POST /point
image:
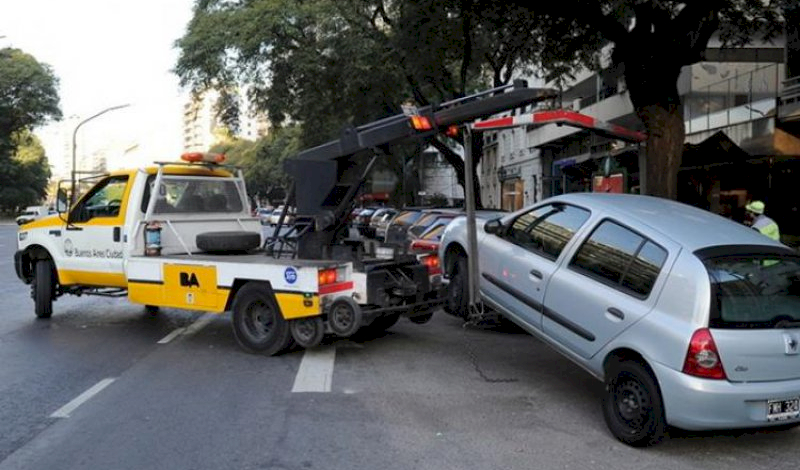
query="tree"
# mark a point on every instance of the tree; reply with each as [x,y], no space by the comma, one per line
[28,97]
[652,40]
[23,176]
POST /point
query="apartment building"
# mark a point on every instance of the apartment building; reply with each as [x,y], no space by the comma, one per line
[202,128]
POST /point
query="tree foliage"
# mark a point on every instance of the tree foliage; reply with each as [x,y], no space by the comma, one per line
[28,98]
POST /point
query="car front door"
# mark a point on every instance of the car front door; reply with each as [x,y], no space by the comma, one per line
[92,250]
[606,287]
[516,263]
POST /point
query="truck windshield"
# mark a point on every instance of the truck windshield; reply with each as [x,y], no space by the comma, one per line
[754,291]
[195,194]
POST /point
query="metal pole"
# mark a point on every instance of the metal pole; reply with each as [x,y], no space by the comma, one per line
[74,146]
[472,237]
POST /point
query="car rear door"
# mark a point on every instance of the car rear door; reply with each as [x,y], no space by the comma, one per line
[516,264]
[755,316]
[608,284]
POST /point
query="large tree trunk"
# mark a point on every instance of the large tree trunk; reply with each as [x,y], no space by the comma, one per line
[665,136]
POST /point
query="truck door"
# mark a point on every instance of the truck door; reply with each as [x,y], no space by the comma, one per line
[92,247]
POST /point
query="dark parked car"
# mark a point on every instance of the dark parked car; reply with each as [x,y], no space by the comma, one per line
[380,216]
[396,230]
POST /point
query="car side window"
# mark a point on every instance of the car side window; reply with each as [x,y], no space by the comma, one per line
[546,230]
[105,200]
[621,258]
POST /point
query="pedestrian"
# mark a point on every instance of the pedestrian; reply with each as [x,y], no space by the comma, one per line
[755,217]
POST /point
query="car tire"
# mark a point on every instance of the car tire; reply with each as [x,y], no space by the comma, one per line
[228,242]
[257,322]
[307,332]
[457,303]
[43,283]
[632,405]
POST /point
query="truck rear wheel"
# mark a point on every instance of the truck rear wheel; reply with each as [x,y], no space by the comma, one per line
[258,325]
[43,288]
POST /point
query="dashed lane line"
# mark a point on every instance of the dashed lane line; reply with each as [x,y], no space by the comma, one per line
[315,374]
[66,410]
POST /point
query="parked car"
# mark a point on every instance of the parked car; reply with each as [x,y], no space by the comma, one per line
[276,214]
[380,216]
[361,222]
[396,230]
[383,224]
[690,319]
[32,213]
[263,215]
[429,220]
[429,241]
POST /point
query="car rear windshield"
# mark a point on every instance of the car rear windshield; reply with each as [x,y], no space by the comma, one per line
[406,218]
[754,291]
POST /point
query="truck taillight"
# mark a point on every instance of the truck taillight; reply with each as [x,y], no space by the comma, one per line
[327,276]
[702,358]
[421,123]
[432,263]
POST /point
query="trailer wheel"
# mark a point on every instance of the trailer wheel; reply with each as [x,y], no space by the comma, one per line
[307,332]
[43,288]
[258,325]
[345,317]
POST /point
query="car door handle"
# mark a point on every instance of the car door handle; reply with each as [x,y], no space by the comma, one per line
[537,274]
[616,313]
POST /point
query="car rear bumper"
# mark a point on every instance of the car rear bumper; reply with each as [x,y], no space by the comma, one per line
[700,404]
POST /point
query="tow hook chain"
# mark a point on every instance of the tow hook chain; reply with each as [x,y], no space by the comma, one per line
[475,318]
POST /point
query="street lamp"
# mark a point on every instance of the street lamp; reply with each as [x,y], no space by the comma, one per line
[74,144]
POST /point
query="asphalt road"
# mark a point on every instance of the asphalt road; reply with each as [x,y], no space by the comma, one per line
[435,396]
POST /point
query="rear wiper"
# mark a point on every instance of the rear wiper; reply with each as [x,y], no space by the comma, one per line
[788,324]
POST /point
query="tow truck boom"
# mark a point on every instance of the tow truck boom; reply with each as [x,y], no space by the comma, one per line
[327,177]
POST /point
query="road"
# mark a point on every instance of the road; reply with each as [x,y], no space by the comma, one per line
[94,388]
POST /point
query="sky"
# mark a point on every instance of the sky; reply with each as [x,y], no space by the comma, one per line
[107,53]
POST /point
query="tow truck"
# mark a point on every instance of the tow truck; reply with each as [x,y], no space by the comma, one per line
[180,235]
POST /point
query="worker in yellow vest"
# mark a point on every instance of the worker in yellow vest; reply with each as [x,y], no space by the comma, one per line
[758,221]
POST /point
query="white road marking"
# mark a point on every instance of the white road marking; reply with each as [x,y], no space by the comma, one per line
[171,336]
[199,324]
[315,374]
[67,409]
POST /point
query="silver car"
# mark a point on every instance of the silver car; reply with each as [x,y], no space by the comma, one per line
[690,319]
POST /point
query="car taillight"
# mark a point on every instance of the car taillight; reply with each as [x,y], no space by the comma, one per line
[432,263]
[327,276]
[424,246]
[702,358]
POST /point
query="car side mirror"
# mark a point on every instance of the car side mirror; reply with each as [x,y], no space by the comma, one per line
[494,227]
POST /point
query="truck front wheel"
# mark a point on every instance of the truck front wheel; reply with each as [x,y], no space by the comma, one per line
[258,325]
[43,288]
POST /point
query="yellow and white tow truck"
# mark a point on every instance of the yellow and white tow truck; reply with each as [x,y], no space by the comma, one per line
[181,236]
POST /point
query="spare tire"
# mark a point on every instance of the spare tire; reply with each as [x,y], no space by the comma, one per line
[228,242]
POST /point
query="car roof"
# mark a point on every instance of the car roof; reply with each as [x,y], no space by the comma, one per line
[687,225]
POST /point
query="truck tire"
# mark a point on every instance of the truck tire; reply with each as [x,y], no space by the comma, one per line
[258,325]
[457,289]
[228,242]
[43,288]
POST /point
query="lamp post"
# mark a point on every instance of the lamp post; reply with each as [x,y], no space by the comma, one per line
[74,145]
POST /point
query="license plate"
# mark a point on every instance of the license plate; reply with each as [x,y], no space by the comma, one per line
[780,410]
[384,252]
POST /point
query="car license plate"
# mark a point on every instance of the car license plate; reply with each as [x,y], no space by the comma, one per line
[384,252]
[780,410]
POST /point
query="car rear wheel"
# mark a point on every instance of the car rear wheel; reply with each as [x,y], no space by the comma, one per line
[632,405]
[43,283]
[258,325]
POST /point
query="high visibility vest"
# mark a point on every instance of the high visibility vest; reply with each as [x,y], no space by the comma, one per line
[768,227]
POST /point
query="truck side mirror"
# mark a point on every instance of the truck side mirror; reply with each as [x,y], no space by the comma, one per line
[62,199]
[494,227]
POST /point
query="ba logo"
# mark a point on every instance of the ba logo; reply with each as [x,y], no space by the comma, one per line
[290,275]
[189,280]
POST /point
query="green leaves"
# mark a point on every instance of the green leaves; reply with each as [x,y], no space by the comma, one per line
[28,97]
